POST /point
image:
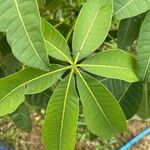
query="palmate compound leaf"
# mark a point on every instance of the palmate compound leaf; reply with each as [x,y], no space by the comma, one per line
[56,44]
[144,109]
[130,8]
[21,21]
[59,132]
[115,64]
[143,50]
[103,114]
[92,27]
[13,87]
[129,95]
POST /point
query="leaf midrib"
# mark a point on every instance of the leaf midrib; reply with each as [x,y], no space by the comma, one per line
[124,7]
[125,91]
[104,66]
[65,56]
[49,73]
[64,109]
[76,59]
[101,110]
[28,37]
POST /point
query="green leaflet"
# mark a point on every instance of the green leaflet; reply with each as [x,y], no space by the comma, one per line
[129,8]
[92,27]
[56,44]
[128,31]
[103,114]
[43,82]
[21,22]
[143,52]
[144,111]
[112,64]
[21,118]
[59,132]
[12,88]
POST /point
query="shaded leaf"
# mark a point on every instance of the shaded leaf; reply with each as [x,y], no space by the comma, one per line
[128,95]
[144,109]
[116,87]
[143,52]
[39,100]
[128,31]
[21,118]
[131,99]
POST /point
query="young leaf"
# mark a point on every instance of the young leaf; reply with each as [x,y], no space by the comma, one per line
[12,88]
[59,132]
[112,64]
[56,44]
[103,114]
[92,27]
[128,31]
[143,50]
[21,22]
[21,118]
[130,8]
[144,111]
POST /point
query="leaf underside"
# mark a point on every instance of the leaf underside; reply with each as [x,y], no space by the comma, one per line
[130,8]
[21,22]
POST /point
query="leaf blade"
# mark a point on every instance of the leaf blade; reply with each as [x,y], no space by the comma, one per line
[64,114]
[56,44]
[12,88]
[99,107]
[130,8]
[143,54]
[21,22]
[91,28]
[108,65]
[21,118]
[144,111]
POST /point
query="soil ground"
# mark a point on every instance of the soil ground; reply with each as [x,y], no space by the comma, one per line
[32,141]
